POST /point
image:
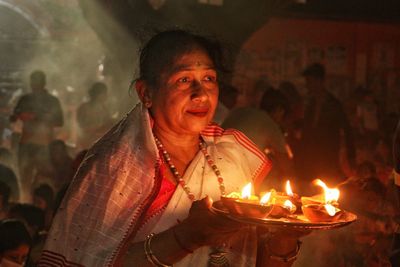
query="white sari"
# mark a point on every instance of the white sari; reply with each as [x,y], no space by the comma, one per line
[85,236]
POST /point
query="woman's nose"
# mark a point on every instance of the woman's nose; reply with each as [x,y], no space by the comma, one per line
[198,91]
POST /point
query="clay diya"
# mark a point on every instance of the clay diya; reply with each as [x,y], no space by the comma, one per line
[322,208]
[321,212]
[246,204]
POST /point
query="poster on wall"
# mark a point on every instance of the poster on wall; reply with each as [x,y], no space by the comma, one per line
[270,65]
[383,55]
[315,55]
[293,60]
[393,92]
[336,60]
[339,86]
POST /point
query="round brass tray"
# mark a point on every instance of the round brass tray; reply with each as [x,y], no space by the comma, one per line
[294,221]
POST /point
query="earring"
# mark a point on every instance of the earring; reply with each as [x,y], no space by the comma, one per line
[147,103]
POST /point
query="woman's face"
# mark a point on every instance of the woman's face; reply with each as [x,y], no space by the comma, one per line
[188,94]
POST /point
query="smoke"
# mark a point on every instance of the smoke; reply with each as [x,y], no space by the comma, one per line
[73,58]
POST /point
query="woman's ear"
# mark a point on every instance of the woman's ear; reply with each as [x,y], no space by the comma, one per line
[143,92]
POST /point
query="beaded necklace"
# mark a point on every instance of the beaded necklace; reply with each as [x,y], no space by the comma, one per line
[177,175]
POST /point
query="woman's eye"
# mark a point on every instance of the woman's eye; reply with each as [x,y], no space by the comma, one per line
[183,80]
[210,78]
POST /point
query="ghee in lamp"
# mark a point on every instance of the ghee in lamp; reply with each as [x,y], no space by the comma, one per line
[246,204]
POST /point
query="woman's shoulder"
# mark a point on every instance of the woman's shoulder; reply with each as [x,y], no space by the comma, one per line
[237,150]
[230,139]
[214,134]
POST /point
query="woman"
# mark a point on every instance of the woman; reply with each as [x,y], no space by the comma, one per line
[142,196]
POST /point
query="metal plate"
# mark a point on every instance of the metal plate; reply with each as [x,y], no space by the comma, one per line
[295,221]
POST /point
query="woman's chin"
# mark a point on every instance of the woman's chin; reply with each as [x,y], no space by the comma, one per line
[197,127]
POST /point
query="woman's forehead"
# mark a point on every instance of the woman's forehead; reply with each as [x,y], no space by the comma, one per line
[192,60]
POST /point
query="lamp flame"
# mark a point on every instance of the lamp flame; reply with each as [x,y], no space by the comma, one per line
[289,191]
[288,204]
[246,191]
[264,200]
[331,210]
[331,194]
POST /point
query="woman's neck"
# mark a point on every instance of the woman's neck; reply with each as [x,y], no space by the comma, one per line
[179,146]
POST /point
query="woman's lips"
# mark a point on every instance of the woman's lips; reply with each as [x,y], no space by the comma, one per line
[198,112]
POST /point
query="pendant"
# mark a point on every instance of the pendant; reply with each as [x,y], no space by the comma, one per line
[218,259]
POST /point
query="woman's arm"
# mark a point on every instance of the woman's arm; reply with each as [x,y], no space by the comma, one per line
[168,247]
[201,228]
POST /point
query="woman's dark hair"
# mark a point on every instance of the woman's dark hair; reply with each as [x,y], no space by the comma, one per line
[13,233]
[164,48]
[45,192]
[6,156]
[33,216]
[58,145]
[38,77]
[274,99]
[97,89]
[5,192]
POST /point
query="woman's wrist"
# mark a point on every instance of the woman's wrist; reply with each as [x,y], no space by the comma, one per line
[150,256]
[185,238]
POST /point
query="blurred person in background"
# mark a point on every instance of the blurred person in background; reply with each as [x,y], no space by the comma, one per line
[5,192]
[8,177]
[295,100]
[7,158]
[395,254]
[367,115]
[43,198]
[264,127]
[94,117]
[278,107]
[61,163]
[40,113]
[15,243]
[226,102]
[325,124]
[250,91]
[34,221]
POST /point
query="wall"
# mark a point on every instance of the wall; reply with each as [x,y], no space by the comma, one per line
[354,53]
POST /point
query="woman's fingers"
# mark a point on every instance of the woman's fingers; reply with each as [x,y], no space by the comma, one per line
[208,227]
[202,204]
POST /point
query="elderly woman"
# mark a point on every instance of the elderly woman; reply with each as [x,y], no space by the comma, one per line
[143,195]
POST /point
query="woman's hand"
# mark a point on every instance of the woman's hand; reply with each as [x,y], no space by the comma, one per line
[204,227]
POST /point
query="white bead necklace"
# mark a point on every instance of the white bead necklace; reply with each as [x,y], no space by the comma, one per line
[177,175]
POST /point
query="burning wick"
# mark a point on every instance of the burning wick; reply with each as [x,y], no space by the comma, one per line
[330,209]
[289,191]
[264,200]
[246,191]
[331,196]
[288,205]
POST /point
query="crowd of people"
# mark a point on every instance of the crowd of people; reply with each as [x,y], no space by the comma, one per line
[36,167]
[346,144]
[140,190]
